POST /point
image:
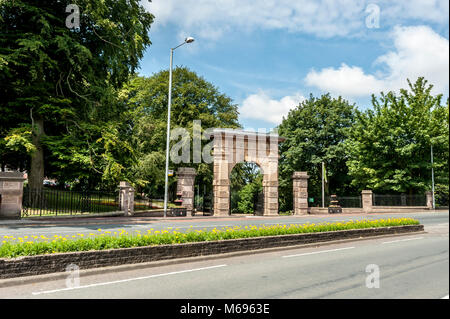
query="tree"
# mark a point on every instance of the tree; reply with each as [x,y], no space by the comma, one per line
[242,174]
[389,146]
[248,196]
[193,98]
[315,132]
[60,84]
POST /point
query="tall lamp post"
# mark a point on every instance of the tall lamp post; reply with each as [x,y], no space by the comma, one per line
[432,169]
[166,186]
[432,178]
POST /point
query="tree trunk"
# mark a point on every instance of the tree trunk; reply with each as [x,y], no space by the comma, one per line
[36,175]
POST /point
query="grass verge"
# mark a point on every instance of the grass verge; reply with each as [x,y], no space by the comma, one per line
[37,245]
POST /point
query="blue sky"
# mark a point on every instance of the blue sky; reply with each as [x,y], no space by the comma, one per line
[268,55]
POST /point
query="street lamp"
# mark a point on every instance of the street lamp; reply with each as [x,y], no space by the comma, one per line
[432,167]
[166,186]
[432,178]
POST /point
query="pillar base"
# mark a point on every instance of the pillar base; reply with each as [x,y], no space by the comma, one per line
[301,211]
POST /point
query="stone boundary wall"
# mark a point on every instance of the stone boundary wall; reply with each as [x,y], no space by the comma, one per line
[368,207]
[50,263]
[374,210]
[324,211]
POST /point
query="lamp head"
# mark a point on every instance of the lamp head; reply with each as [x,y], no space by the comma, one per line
[189,40]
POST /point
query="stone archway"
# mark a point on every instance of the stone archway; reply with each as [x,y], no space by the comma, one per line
[236,146]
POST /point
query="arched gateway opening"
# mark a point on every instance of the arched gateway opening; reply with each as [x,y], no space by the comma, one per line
[236,146]
[246,195]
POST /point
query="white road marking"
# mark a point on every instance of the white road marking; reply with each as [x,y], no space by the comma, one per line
[126,280]
[401,240]
[318,252]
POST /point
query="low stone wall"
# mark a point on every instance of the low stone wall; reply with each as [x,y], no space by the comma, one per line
[398,209]
[374,209]
[74,216]
[322,211]
[149,213]
[50,263]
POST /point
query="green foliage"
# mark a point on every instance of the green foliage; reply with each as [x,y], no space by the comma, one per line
[245,185]
[65,80]
[193,98]
[246,201]
[389,147]
[315,132]
[243,174]
[19,140]
[30,246]
[248,196]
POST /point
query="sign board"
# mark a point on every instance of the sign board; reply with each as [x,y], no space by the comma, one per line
[170,172]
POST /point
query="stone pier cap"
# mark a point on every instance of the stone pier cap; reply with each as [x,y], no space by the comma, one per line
[246,134]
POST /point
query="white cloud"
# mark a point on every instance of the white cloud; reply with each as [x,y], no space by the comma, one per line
[349,81]
[435,11]
[261,106]
[419,51]
[210,19]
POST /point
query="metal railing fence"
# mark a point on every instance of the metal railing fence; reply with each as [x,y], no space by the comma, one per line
[55,202]
[344,201]
[399,200]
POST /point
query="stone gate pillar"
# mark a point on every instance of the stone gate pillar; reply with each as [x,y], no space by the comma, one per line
[300,192]
[270,185]
[367,198]
[185,186]
[270,191]
[221,197]
[11,194]
[126,196]
[223,163]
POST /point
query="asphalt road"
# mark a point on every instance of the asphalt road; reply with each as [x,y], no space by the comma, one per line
[412,266]
[71,228]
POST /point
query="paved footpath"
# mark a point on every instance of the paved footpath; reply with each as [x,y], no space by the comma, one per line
[76,226]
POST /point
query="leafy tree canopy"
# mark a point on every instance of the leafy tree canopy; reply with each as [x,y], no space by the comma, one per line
[315,132]
[389,146]
[59,85]
[193,98]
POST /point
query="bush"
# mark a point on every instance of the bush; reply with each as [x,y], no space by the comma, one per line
[246,204]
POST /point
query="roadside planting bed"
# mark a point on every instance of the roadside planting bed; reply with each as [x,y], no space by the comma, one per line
[12,247]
